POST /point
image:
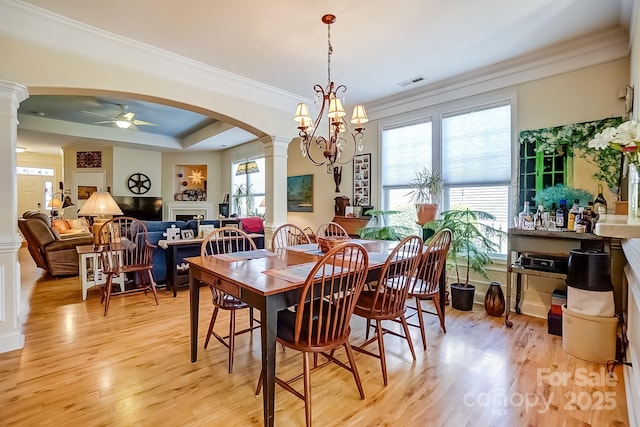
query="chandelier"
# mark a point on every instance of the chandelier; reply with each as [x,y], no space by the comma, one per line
[340,133]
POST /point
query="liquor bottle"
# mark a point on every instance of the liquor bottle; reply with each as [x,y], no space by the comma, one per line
[561,215]
[552,213]
[573,213]
[540,225]
[525,219]
[600,204]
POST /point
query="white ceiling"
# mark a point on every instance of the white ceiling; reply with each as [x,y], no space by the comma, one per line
[377,44]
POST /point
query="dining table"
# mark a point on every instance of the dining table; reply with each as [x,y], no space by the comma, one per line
[269,281]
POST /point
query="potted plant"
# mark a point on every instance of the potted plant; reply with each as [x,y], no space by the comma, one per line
[472,239]
[377,229]
[427,186]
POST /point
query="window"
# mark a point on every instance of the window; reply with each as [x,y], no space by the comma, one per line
[405,150]
[476,161]
[472,149]
[248,188]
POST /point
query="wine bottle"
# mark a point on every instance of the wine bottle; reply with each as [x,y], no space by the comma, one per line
[600,204]
[525,219]
[561,215]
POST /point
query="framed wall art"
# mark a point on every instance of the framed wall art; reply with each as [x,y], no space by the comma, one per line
[300,193]
[362,180]
[85,191]
[89,159]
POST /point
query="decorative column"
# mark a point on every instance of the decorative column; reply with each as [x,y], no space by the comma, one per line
[275,151]
[11,337]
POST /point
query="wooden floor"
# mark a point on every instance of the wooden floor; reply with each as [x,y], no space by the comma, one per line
[133,368]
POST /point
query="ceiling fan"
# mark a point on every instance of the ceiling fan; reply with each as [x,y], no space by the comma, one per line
[124,120]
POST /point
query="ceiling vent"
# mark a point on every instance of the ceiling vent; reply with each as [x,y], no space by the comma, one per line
[411,81]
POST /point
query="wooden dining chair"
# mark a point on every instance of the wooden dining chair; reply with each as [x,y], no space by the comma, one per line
[426,283]
[288,235]
[386,300]
[322,324]
[124,248]
[331,229]
[222,241]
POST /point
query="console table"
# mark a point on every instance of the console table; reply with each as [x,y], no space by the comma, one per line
[555,243]
[351,224]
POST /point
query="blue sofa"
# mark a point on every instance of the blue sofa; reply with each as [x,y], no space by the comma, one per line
[156,231]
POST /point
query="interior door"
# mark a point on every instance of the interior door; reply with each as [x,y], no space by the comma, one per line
[31,192]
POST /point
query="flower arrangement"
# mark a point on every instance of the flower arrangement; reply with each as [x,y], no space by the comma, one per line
[623,138]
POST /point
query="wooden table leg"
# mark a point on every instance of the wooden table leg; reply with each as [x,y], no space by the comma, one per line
[443,293]
[269,318]
[194,295]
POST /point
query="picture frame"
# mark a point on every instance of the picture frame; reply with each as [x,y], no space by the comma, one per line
[206,229]
[300,193]
[85,191]
[88,159]
[362,180]
[187,234]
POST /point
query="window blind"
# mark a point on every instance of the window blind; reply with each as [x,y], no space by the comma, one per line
[476,147]
[405,150]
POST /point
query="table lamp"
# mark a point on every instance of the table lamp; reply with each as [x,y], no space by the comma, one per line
[101,206]
[57,205]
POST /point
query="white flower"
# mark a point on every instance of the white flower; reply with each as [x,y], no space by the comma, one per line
[599,142]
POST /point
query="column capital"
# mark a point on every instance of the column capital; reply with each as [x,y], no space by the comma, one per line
[13,91]
[275,144]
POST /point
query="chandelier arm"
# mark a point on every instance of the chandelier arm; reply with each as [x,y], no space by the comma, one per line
[319,142]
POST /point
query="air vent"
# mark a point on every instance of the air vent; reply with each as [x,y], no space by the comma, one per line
[411,81]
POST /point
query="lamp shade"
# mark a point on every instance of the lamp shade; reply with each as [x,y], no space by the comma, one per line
[247,167]
[55,203]
[100,203]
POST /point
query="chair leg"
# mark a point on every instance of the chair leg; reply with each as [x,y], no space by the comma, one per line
[307,387]
[232,338]
[354,369]
[436,301]
[259,386]
[211,323]
[107,297]
[153,286]
[251,318]
[405,326]
[383,359]
[421,322]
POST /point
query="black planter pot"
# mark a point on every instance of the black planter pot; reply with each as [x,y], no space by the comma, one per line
[462,296]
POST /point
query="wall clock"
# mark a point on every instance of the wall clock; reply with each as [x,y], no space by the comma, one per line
[139,183]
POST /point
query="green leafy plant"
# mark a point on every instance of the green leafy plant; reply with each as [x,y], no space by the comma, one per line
[427,186]
[551,195]
[243,200]
[381,231]
[472,239]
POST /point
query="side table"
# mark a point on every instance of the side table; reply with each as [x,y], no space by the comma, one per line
[90,270]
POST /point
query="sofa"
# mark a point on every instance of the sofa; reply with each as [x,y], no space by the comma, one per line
[50,250]
[157,229]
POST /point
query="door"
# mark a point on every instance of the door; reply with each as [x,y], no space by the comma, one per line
[31,194]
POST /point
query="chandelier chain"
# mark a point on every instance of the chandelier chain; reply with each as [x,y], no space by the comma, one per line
[329,52]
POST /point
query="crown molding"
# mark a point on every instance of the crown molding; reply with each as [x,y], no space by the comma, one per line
[593,49]
[33,24]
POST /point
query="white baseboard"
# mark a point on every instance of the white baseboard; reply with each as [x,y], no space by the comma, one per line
[10,342]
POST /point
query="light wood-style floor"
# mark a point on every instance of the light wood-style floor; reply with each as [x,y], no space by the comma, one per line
[133,368]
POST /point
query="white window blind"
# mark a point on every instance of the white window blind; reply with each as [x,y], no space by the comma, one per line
[405,150]
[476,147]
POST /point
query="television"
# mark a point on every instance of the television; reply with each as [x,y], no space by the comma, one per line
[143,208]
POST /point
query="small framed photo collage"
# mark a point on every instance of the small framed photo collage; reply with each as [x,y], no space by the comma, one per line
[362,180]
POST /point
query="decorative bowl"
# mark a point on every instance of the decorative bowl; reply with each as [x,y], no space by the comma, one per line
[325,244]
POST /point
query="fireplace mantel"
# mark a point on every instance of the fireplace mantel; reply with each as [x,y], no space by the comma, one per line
[189,208]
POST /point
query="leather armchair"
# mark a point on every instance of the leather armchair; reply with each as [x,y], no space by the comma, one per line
[52,253]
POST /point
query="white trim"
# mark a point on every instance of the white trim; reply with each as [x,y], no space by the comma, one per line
[187,209]
[593,49]
[27,22]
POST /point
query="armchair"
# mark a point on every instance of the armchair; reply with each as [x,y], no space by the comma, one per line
[49,250]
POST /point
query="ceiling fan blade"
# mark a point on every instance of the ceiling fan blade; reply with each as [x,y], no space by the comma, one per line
[103,122]
[133,127]
[143,123]
[128,116]
[97,114]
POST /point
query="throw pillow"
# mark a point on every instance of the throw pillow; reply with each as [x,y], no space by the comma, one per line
[60,225]
[253,224]
[80,224]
